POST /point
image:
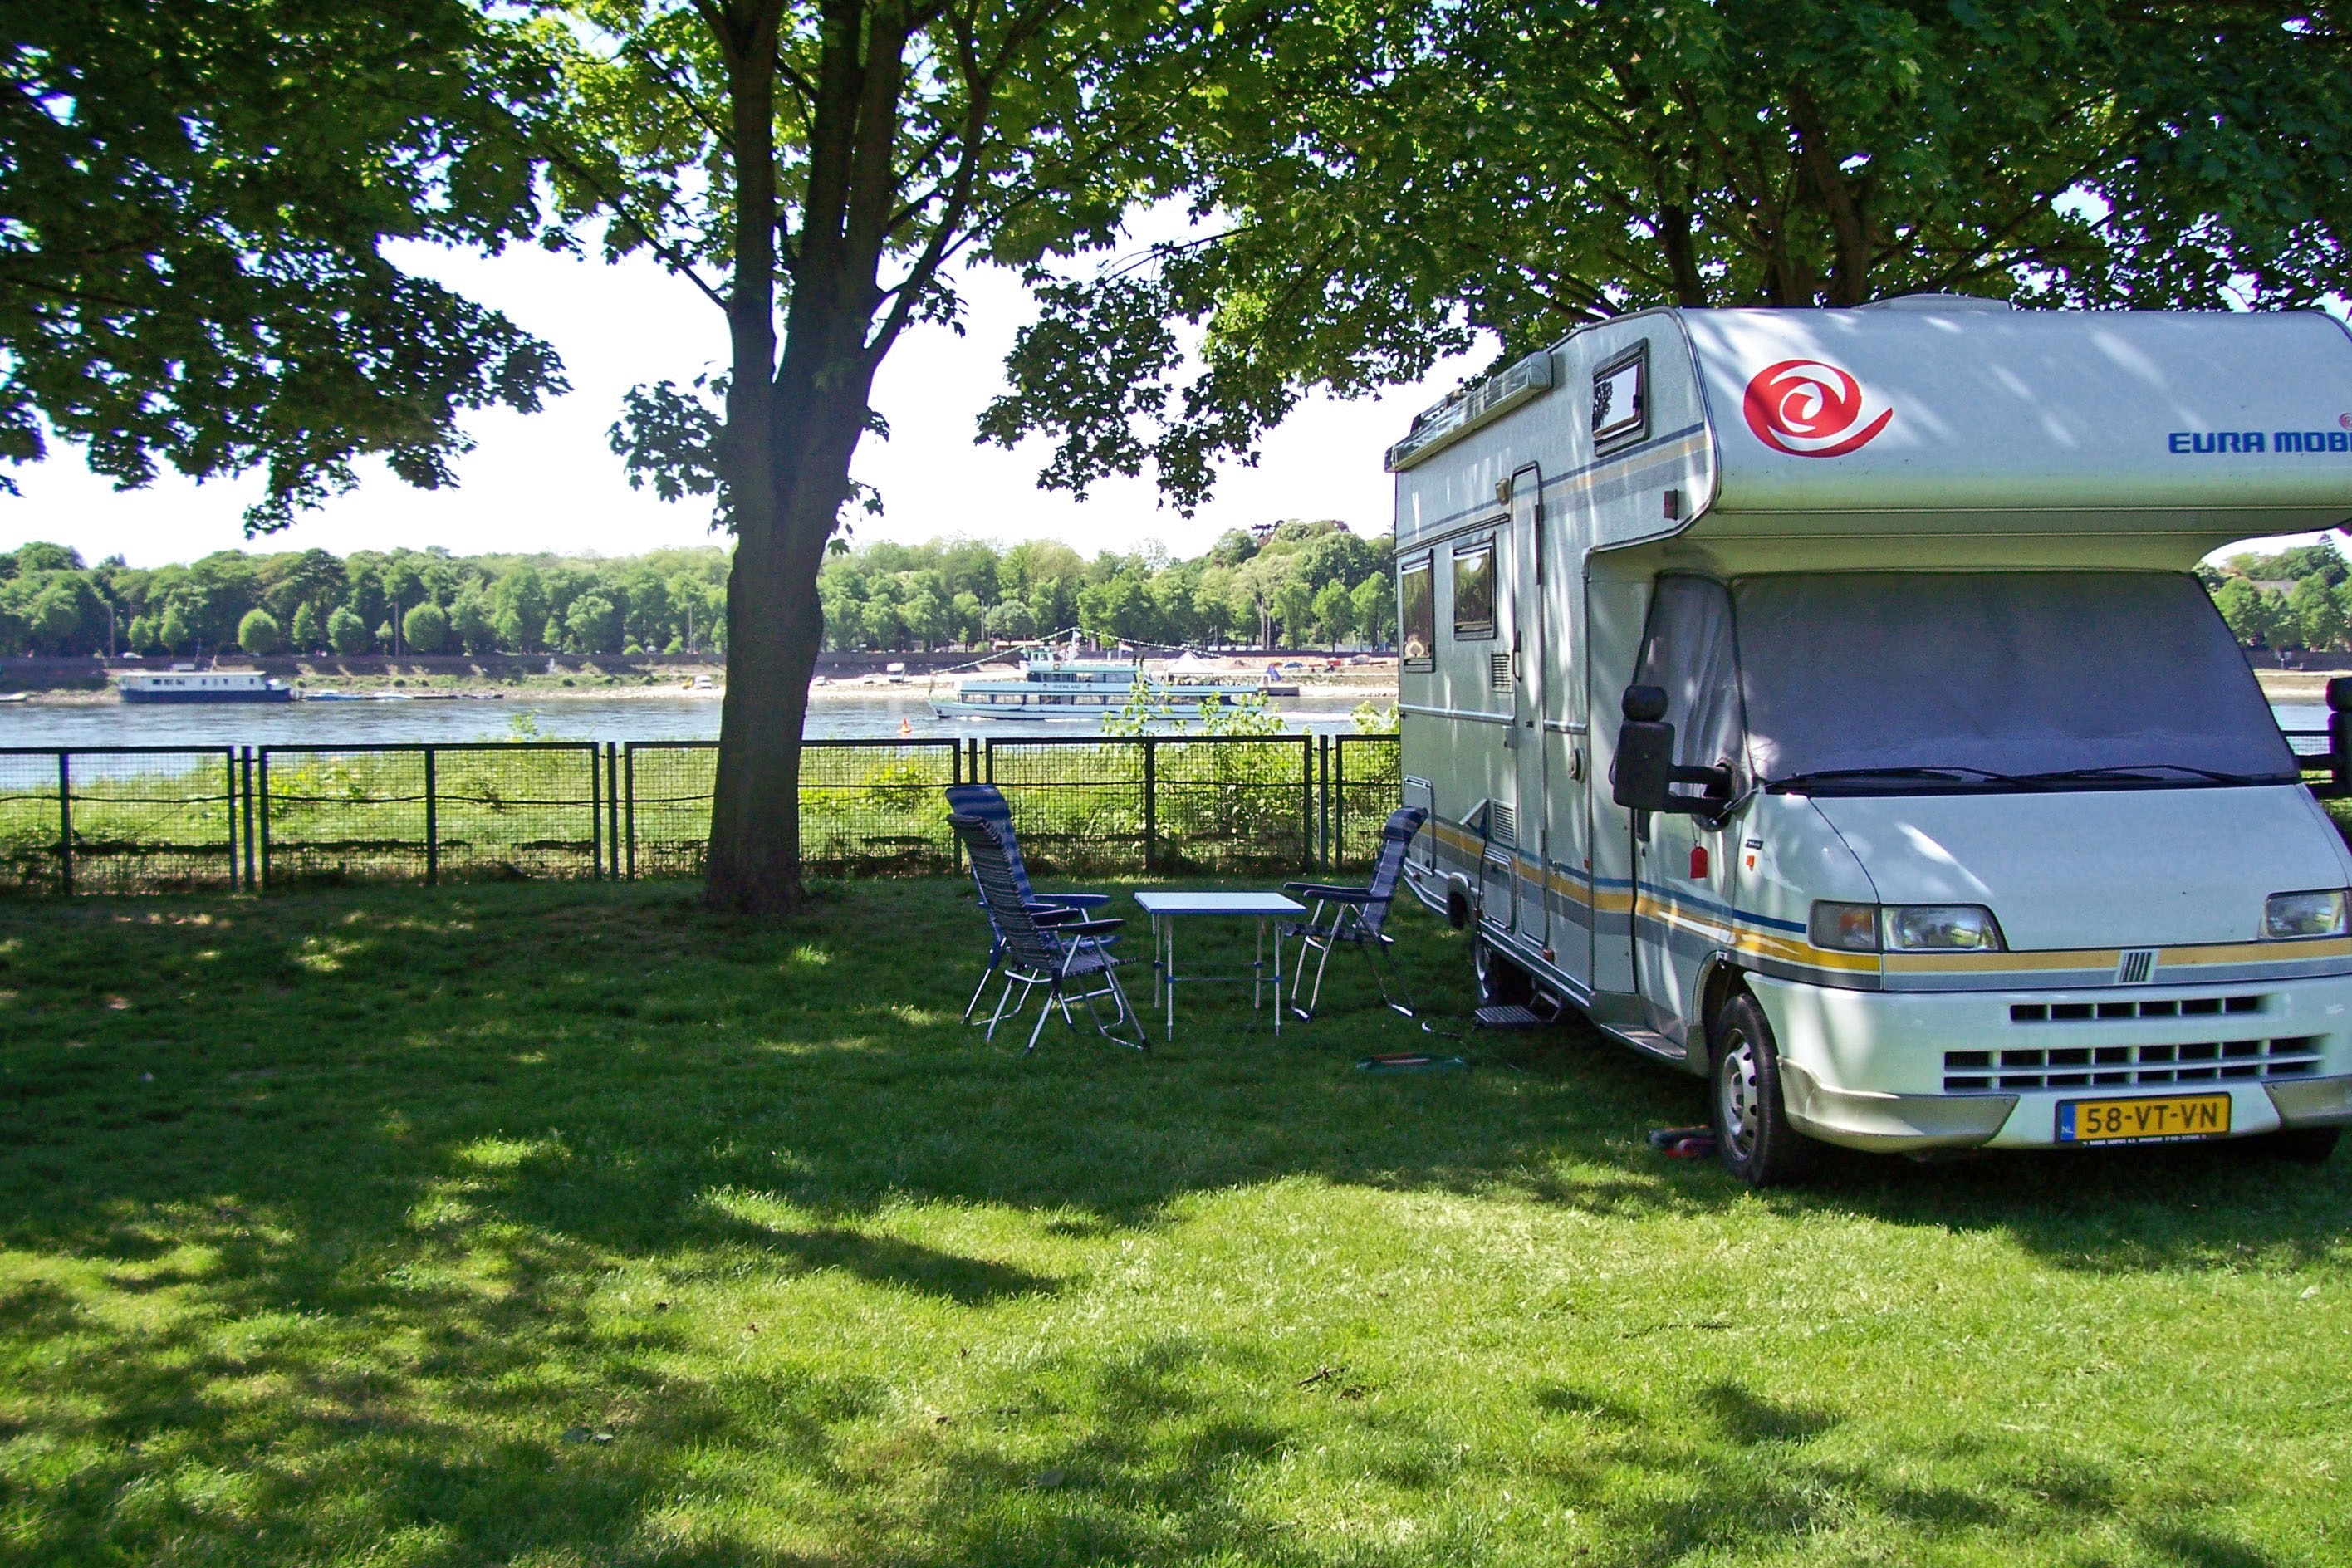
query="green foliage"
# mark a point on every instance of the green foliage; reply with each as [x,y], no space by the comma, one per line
[195,227]
[308,635]
[437,602]
[2300,598]
[425,628]
[1370,718]
[1441,177]
[258,633]
[1310,579]
[346,633]
[1249,714]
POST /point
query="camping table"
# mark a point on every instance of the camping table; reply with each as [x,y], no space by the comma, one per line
[1167,908]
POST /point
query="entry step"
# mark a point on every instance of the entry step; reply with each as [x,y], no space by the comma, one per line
[1508,1015]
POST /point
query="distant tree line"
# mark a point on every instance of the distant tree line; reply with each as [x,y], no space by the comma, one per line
[2299,598]
[401,602]
[1297,584]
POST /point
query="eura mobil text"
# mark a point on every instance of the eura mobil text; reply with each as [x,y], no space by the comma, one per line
[2205,441]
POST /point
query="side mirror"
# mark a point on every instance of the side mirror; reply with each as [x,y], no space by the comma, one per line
[1644,773]
[1644,767]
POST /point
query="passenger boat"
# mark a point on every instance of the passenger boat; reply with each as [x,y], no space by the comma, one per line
[1054,687]
[202,686]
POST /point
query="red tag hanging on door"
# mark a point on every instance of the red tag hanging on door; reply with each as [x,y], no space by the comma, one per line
[1699,862]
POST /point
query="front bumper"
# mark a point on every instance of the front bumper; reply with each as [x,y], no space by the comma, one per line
[1910,1071]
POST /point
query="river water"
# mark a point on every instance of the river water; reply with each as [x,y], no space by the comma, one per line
[877,714]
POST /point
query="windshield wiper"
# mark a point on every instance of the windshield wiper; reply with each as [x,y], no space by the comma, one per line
[2150,772]
[1952,774]
[2135,773]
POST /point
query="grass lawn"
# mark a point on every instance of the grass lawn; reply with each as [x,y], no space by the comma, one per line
[568,1226]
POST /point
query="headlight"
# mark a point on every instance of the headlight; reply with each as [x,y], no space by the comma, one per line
[1847,928]
[1947,928]
[1906,927]
[2304,914]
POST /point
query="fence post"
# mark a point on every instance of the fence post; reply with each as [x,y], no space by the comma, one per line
[245,769]
[240,803]
[1306,797]
[1323,809]
[595,815]
[629,811]
[432,826]
[65,822]
[1339,799]
[1150,804]
[613,803]
[265,818]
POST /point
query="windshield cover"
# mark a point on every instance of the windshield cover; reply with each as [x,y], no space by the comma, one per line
[2002,672]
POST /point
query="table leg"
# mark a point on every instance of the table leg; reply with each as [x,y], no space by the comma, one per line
[1158,975]
[1171,981]
[1277,985]
[1257,963]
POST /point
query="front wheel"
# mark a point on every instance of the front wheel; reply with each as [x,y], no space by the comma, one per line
[1752,1135]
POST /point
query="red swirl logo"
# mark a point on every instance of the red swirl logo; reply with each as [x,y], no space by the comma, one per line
[1808,409]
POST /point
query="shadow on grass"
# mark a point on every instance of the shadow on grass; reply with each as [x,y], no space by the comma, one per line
[388,1136]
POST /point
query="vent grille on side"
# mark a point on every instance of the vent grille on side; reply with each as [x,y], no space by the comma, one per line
[2071,1066]
[1502,824]
[1498,670]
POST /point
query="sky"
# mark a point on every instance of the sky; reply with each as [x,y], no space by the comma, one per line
[549,481]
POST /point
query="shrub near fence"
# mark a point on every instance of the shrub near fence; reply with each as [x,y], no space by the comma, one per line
[148,819]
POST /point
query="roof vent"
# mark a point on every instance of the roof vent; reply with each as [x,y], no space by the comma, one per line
[1938,303]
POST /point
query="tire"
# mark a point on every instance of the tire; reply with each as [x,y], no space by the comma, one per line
[1501,981]
[1752,1135]
[2302,1145]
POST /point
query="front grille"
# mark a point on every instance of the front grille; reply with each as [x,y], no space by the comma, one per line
[2173,1007]
[2072,1066]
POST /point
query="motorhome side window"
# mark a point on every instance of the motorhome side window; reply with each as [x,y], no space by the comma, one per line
[1417,612]
[1620,401]
[1473,590]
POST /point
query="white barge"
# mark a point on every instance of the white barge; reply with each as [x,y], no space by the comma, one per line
[1052,686]
[202,686]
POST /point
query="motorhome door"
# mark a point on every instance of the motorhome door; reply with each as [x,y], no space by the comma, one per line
[1682,870]
[1529,626]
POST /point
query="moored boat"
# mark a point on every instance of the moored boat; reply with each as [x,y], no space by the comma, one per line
[202,686]
[1052,686]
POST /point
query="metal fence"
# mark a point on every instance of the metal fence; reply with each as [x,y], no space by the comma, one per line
[118,820]
[144,820]
[365,814]
[867,807]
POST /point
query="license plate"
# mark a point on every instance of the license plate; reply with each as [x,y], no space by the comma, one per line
[2155,1119]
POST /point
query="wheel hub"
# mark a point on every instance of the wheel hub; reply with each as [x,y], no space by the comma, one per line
[1738,1096]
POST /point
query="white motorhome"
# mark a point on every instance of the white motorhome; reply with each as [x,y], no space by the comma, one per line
[1972,827]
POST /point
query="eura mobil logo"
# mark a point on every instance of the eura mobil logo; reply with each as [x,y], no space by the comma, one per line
[2213,443]
[1810,408]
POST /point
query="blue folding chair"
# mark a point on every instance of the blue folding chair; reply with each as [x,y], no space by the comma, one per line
[1058,949]
[1353,915]
[985,802]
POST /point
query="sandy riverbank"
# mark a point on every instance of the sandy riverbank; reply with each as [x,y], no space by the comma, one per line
[2296,685]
